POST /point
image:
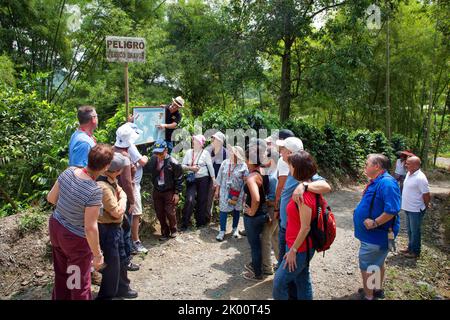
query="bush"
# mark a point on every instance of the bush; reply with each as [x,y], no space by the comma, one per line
[34,148]
[32,220]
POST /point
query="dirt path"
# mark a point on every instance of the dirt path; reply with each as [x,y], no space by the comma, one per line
[196,266]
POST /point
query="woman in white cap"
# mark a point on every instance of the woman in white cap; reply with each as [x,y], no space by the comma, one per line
[197,162]
[218,154]
[229,189]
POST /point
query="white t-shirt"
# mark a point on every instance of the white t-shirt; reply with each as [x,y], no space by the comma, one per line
[135,157]
[400,168]
[414,187]
[282,168]
[203,160]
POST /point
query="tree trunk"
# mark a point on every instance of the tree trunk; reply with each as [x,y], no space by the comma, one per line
[388,102]
[285,93]
[426,146]
[438,140]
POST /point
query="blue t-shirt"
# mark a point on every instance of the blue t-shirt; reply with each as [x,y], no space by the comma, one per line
[79,146]
[286,195]
[387,199]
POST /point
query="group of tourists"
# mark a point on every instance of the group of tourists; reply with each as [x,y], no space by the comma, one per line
[273,183]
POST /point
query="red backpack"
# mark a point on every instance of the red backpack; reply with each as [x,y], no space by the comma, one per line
[323,227]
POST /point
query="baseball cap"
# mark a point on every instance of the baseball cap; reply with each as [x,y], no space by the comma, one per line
[118,162]
[159,146]
[293,144]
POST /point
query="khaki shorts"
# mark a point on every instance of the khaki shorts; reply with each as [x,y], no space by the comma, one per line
[137,200]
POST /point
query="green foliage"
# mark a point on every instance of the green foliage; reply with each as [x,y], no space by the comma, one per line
[34,149]
[32,220]
[7,72]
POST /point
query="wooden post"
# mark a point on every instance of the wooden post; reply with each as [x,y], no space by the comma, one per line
[126,91]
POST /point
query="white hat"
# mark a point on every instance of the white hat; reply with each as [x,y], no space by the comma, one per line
[179,101]
[125,136]
[238,152]
[293,144]
[219,136]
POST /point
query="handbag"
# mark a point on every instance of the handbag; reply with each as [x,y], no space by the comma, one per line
[190,177]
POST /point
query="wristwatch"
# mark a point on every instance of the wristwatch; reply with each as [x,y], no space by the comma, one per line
[305,184]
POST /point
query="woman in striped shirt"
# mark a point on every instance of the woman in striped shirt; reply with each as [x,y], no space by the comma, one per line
[73,226]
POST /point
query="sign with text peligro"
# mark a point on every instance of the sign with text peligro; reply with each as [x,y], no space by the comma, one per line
[125,49]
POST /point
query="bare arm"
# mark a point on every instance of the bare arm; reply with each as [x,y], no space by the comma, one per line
[426,199]
[280,187]
[91,229]
[143,161]
[127,184]
[318,187]
[53,195]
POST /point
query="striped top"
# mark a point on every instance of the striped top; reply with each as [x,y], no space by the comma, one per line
[75,194]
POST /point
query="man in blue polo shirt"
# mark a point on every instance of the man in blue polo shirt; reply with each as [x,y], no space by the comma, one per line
[82,140]
[374,218]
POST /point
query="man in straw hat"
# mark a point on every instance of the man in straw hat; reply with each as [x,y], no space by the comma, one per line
[172,119]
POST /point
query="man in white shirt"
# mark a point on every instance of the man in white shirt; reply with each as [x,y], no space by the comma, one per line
[415,200]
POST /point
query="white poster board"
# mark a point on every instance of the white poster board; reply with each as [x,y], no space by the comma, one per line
[146,119]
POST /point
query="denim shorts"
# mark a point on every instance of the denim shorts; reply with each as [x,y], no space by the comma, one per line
[370,255]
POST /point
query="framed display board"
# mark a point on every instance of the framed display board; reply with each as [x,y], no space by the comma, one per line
[146,119]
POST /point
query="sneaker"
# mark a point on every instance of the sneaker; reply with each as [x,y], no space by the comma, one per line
[173,235]
[96,278]
[134,250]
[130,294]
[235,233]
[411,255]
[139,247]
[132,267]
[163,238]
[377,293]
[220,236]
[249,267]
[242,232]
[252,277]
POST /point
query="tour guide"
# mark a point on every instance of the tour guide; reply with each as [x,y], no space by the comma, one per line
[173,118]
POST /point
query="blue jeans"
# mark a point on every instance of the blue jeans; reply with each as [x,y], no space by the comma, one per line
[223,219]
[300,276]
[115,275]
[414,224]
[127,242]
[282,248]
[281,244]
[254,227]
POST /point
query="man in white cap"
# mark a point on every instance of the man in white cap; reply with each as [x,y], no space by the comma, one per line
[172,119]
[218,155]
[139,161]
[126,136]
